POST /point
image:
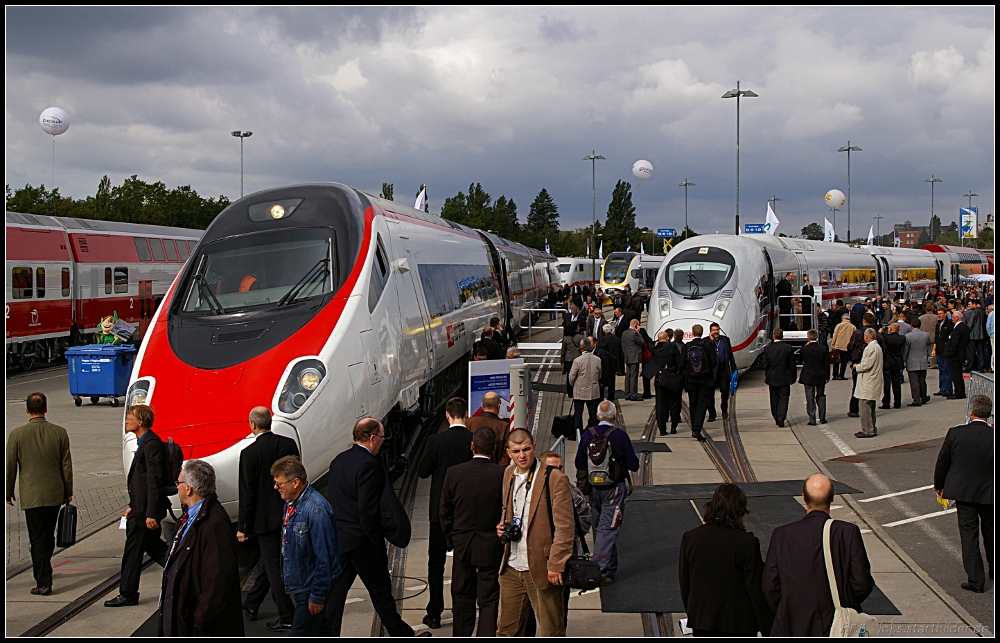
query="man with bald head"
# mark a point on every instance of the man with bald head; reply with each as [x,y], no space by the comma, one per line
[491,417]
[261,512]
[795,581]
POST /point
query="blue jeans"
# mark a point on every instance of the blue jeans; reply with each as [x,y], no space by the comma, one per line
[607,508]
[944,376]
[304,623]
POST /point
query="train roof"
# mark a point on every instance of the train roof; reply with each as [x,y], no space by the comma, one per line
[71,224]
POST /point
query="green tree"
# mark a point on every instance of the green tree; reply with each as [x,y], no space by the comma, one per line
[543,214]
[813,232]
[504,218]
[387,191]
[620,226]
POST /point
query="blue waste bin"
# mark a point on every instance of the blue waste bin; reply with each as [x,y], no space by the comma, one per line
[99,370]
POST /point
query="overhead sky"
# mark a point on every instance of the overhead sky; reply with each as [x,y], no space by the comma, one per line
[514,98]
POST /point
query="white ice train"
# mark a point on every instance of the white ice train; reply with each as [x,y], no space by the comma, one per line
[575,271]
[324,304]
[731,280]
[631,268]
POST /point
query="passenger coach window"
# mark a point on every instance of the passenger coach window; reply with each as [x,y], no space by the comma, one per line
[143,249]
[157,249]
[168,244]
[21,283]
[65,282]
[121,280]
[107,281]
[182,250]
[40,282]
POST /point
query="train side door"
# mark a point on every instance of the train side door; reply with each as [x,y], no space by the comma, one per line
[882,275]
[766,297]
[425,318]
[145,305]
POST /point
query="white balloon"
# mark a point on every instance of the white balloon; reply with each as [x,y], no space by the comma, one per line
[642,170]
[54,121]
[834,199]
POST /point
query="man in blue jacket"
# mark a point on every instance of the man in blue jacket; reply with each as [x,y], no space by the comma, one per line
[606,481]
[310,557]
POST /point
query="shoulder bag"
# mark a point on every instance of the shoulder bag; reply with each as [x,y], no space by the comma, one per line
[582,572]
[846,621]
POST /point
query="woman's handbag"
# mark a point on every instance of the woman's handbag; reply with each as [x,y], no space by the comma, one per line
[846,621]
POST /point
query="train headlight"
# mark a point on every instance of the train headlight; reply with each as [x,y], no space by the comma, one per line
[138,393]
[664,306]
[720,308]
[304,378]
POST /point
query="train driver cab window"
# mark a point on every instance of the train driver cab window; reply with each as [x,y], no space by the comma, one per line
[121,280]
[40,282]
[107,281]
[65,282]
[142,247]
[168,244]
[157,249]
[697,272]
[21,283]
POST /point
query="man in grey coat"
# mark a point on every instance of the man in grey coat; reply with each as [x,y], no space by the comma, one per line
[585,378]
[632,345]
[916,352]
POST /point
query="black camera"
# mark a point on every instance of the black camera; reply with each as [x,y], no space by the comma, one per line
[511,533]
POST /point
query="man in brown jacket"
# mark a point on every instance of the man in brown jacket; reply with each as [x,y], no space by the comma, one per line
[40,450]
[491,417]
[536,551]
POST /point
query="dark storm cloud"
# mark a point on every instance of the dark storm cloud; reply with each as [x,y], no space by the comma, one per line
[555,30]
[330,27]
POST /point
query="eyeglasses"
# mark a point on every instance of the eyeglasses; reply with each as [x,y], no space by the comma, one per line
[279,485]
[180,482]
[379,435]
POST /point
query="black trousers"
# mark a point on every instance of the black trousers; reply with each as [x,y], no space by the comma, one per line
[369,561]
[721,383]
[437,553]
[957,381]
[779,402]
[41,523]
[973,518]
[840,368]
[591,413]
[271,580]
[891,387]
[139,541]
[471,585]
[700,394]
[918,385]
[668,408]
[855,406]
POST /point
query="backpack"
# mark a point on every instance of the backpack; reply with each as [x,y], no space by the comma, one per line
[602,469]
[173,460]
[695,359]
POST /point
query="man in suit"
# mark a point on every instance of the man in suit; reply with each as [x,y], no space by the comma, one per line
[916,352]
[532,566]
[955,351]
[355,488]
[471,504]
[928,321]
[613,347]
[666,357]
[491,417]
[442,451]
[814,376]
[892,364]
[595,325]
[200,594]
[261,511]
[724,372]
[632,345]
[943,328]
[964,473]
[39,451]
[499,334]
[795,581]
[147,504]
[622,321]
[779,367]
[585,378]
[784,292]
[698,360]
[493,349]
[975,319]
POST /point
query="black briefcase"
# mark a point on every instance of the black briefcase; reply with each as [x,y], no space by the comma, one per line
[563,426]
[66,527]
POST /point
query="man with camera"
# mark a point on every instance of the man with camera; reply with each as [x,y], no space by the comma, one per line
[537,532]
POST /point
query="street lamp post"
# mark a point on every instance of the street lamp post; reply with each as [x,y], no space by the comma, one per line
[737,94]
[686,184]
[932,181]
[241,135]
[878,227]
[774,202]
[849,148]
[593,157]
[960,235]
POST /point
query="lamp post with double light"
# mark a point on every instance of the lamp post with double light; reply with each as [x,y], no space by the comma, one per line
[932,181]
[849,148]
[686,184]
[593,157]
[737,94]
[241,135]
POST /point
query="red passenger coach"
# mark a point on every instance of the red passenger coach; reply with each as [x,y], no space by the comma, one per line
[63,275]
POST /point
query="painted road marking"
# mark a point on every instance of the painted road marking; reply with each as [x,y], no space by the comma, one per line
[916,518]
[898,493]
[837,442]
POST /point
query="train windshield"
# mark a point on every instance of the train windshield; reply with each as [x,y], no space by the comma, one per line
[697,272]
[564,267]
[615,267]
[263,269]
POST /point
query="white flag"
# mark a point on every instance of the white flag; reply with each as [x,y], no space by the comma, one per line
[628,246]
[642,248]
[828,232]
[871,236]
[600,250]
[421,199]
[771,224]
[547,247]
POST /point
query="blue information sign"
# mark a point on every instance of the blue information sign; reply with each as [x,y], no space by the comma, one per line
[666,233]
[753,228]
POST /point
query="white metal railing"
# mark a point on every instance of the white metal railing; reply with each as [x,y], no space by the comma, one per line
[533,312]
[811,315]
[541,354]
[979,384]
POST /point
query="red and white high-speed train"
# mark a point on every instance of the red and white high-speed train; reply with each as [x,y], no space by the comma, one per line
[324,304]
[63,275]
[731,280]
